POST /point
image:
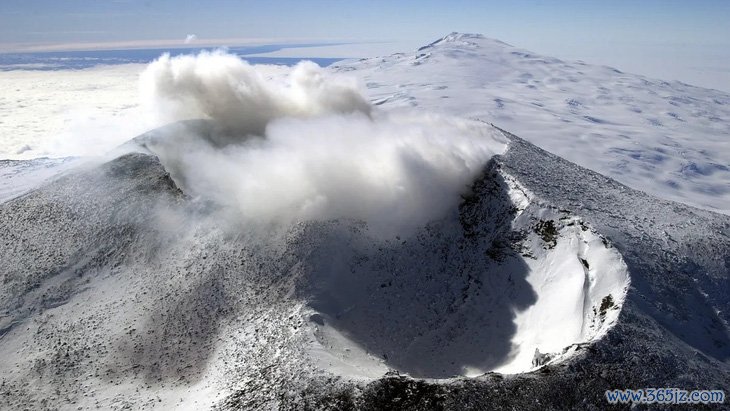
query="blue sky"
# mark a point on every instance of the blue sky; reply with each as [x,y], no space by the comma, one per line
[616,32]
[692,21]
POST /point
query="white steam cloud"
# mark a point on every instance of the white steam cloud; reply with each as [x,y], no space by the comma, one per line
[308,145]
[241,98]
[190,38]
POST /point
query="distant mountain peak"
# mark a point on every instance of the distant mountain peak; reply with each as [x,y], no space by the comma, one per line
[456,36]
[474,39]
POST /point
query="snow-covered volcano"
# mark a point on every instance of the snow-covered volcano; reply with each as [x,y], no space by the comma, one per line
[170,276]
[149,290]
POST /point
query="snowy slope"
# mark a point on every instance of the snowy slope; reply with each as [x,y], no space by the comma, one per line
[666,138]
[19,177]
[120,291]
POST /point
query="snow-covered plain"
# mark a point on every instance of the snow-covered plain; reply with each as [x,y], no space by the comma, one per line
[63,113]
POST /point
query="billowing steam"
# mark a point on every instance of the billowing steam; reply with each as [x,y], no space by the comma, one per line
[307,145]
[240,97]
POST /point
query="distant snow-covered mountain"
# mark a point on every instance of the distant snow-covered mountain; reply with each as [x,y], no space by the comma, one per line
[669,139]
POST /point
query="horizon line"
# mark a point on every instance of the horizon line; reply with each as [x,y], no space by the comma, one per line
[6,48]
